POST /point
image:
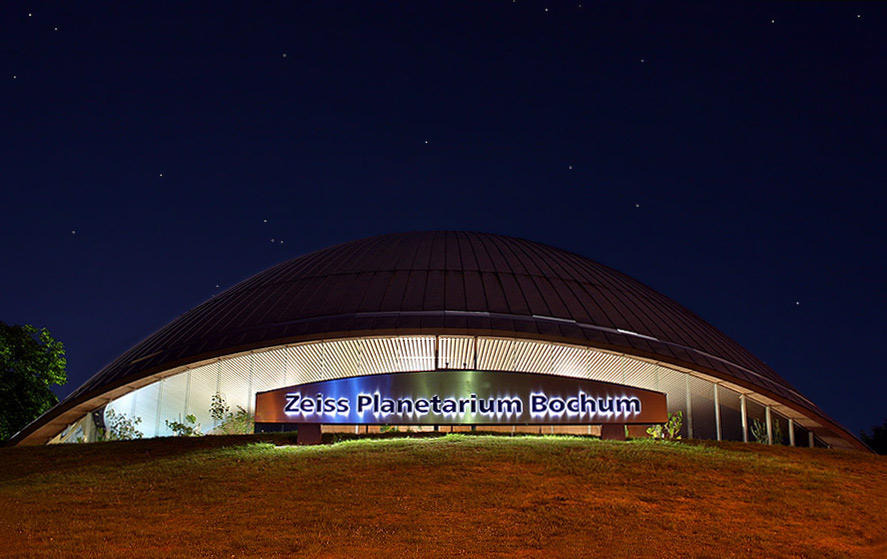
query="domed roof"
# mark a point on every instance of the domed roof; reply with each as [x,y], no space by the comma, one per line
[445,282]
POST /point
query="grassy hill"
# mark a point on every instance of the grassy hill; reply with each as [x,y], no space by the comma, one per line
[449,496]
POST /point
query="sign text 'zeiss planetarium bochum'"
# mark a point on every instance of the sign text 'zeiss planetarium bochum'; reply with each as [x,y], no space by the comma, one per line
[460,397]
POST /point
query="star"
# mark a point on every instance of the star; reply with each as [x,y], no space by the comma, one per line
[570,167]
[797,303]
[161,174]
[426,141]
[284,55]
[217,285]
[772,21]
[56,28]
[642,59]
[637,205]
[272,240]
[73,232]
[29,15]
[14,77]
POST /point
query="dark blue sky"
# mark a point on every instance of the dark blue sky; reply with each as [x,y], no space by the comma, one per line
[730,155]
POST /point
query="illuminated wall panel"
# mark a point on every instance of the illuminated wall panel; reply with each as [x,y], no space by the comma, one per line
[204,384]
[571,361]
[703,408]
[171,405]
[456,352]
[495,354]
[235,376]
[341,358]
[239,378]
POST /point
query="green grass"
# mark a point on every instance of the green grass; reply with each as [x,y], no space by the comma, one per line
[445,496]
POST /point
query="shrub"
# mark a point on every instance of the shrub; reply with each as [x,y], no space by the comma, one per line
[188,428]
[759,431]
[118,427]
[240,422]
[671,429]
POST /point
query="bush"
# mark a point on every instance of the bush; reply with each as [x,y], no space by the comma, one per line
[118,427]
[671,429]
[239,423]
[190,428]
[759,431]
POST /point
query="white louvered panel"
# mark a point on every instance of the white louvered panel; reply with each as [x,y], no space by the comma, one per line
[234,378]
[292,370]
[379,355]
[306,364]
[495,354]
[604,366]
[673,384]
[416,353]
[144,406]
[171,407]
[123,405]
[533,357]
[703,406]
[343,358]
[269,368]
[638,373]
[204,383]
[456,352]
[570,361]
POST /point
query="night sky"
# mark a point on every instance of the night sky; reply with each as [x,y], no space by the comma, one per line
[729,155]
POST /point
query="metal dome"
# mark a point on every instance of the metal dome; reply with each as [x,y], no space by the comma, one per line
[438,282]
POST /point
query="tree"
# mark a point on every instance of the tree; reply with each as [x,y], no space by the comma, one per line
[30,362]
[877,441]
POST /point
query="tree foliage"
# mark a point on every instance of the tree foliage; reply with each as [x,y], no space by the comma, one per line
[118,427]
[30,362]
[671,429]
[187,428]
[239,423]
[877,441]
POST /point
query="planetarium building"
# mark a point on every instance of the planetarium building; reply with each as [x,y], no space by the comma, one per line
[444,330]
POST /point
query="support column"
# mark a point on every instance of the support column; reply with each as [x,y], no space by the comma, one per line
[810,439]
[309,433]
[717,413]
[689,407]
[744,413]
[769,425]
[612,432]
[791,432]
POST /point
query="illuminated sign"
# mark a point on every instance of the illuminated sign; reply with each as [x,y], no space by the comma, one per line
[460,397]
